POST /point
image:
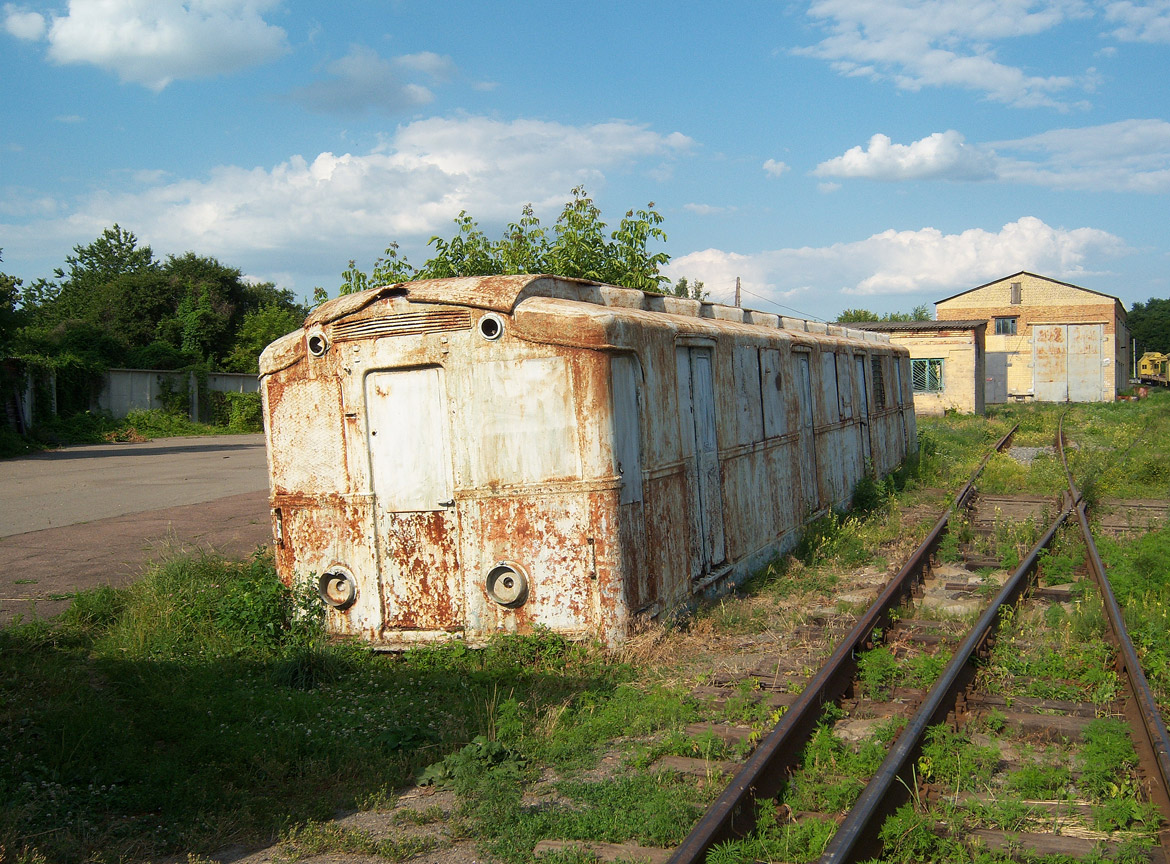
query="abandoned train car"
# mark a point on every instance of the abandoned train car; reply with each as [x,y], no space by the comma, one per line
[454,458]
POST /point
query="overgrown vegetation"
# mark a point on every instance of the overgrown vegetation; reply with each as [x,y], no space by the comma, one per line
[203,706]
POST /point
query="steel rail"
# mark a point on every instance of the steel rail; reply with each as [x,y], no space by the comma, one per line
[857,837]
[763,774]
[1141,708]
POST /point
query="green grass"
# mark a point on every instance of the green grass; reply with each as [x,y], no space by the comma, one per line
[203,707]
[97,428]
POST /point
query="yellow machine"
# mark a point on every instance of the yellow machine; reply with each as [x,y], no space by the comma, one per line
[1152,368]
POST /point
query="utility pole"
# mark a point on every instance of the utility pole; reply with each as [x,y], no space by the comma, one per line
[737,291]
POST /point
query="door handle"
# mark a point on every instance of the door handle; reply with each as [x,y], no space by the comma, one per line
[449,503]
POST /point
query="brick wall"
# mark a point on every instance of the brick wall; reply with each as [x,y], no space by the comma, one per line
[1043,301]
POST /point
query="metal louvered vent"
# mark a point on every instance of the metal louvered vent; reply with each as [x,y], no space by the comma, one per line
[409,324]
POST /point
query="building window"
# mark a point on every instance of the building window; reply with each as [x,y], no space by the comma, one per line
[1005,326]
[879,384]
[926,375]
[1017,291]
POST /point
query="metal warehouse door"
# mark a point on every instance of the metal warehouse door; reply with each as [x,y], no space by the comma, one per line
[1049,363]
[995,388]
[808,452]
[410,468]
[696,390]
[1085,381]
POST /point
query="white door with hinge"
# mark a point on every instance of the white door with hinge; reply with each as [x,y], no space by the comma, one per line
[417,529]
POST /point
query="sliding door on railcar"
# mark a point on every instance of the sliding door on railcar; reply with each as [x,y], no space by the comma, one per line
[809,484]
[863,410]
[696,396]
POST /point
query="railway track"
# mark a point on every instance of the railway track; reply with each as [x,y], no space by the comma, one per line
[919,698]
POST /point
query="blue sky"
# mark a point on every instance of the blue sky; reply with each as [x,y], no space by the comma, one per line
[833,154]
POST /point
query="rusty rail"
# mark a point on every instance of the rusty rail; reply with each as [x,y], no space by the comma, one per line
[1148,729]
[762,775]
[858,835]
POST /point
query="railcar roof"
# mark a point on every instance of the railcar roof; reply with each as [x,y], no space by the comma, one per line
[504,293]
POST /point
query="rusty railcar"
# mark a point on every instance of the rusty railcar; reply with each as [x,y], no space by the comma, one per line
[454,458]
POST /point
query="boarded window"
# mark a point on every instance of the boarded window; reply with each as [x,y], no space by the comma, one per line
[829,387]
[772,394]
[1005,326]
[927,375]
[748,396]
[845,386]
[879,383]
[1017,292]
[524,422]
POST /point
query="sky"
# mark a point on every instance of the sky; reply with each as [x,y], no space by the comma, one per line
[833,154]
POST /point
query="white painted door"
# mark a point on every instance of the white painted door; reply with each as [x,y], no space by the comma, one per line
[416,522]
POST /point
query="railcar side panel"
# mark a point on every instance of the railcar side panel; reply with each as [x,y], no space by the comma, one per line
[458,458]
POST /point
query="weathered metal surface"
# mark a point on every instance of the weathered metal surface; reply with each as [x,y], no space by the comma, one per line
[1049,362]
[614,452]
[1086,381]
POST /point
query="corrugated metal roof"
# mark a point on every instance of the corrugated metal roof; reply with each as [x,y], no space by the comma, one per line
[923,326]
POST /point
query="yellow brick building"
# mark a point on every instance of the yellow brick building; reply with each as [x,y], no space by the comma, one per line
[1047,341]
[946,362]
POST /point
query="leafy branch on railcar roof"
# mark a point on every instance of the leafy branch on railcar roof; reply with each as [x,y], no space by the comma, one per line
[576,245]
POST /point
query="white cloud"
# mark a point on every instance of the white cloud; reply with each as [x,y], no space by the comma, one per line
[774,169]
[1140,22]
[22,23]
[1127,156]
[942,43]
[707,209]
[362,80]
[327,206]
[153,42]
[944,155]
[902,262]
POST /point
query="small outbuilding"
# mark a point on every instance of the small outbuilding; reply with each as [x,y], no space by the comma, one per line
[947,367]
[1047,341]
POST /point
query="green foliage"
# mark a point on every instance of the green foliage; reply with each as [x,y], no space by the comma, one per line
[1107,753]
[1149,325]
[950,760]
[576,246]
[1039,781]
[918,313]
[203,706]
[315,838]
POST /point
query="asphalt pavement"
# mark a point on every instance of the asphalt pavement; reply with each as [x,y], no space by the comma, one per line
[79,517]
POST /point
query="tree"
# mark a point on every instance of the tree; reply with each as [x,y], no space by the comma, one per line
[1149,324]
[918,313]
[690,290]
[577,246]
[260,327]
[9,314]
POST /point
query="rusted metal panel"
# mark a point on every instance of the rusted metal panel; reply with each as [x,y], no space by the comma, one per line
[1086,381]
[457,458]
[1050,362]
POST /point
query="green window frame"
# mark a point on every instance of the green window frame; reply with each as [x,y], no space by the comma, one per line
[1005,326]
[926,375]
